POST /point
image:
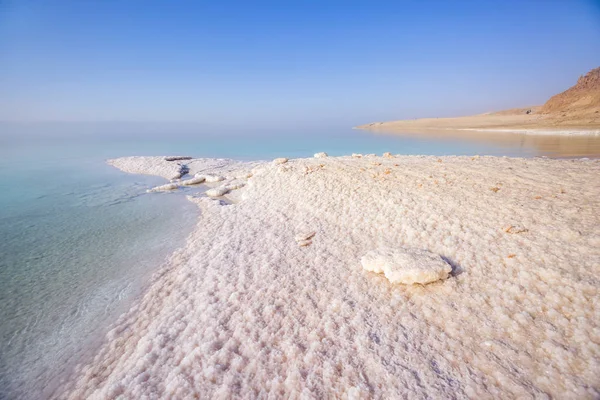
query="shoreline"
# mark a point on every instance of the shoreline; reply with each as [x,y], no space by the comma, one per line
[242,299]
[527,121]
[395,127]
[539,131]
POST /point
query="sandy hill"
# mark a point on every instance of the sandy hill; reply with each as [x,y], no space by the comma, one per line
[577,108]
[581,99]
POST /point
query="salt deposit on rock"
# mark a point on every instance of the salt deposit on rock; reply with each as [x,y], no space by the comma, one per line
[218,192]
[356,155]
[224,189]
[168,169]
[214,178]
[194,181]
[407,266]
[305,236]
[388,155]
[280,161]
[236,185]
[241,311]
[514,229]
[320,155]
[164,188]
[177,158]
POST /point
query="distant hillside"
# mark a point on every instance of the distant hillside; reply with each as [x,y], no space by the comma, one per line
[576,109]
[582,99]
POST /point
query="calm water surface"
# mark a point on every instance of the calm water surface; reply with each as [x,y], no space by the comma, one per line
[79,239]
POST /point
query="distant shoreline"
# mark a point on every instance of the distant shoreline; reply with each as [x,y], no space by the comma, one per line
[576,111]
[523,120]
[517,130]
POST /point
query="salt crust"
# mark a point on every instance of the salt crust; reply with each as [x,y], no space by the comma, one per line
[281,160]
[242,311]
[407,266]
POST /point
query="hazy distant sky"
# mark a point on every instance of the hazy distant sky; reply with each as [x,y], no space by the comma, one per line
[291,62]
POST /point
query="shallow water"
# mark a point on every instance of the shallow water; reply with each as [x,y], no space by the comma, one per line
[78,239]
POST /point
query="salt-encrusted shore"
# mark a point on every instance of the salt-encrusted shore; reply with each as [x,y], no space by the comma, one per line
[268,298]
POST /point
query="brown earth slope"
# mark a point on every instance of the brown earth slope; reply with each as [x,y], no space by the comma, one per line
[576,109]
[583,99]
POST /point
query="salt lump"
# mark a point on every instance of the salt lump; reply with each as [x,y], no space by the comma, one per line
[164,188]
[407,266]
[281,160]
[177,158]
[224,189]
[320,155]
[218,192]
[213,178]
[305,238]
[194,181]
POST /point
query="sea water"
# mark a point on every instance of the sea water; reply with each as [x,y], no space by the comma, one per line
[79,240]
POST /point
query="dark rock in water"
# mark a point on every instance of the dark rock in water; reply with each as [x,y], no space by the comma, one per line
[177,158]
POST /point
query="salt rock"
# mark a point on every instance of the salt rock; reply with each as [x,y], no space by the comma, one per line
[235,186]
[321,155]
[407,266]
[194,181]
[356,155]
[218,192]
[514,229]
[281,160]
[177,158]
[304,236]
[163,188]
[387,155]
[214,178]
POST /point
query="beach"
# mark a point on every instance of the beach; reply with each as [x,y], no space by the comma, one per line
[528,120]
[267,297]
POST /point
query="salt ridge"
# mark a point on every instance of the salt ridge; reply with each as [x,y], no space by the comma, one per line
[244,311]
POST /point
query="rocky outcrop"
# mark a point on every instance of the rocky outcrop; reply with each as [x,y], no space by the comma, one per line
[582,99]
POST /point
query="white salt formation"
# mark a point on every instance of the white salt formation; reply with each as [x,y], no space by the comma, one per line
[280,161]
[218,192]
[177,158]
[406,266]
[320,155]
[164,188]
[213,178]
[169,169]
[224,189]
[305,236]
[194,181]
[243,311]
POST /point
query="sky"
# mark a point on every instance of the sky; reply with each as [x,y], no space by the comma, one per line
[261,63]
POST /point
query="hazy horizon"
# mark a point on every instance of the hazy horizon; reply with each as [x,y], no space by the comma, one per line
[335,63]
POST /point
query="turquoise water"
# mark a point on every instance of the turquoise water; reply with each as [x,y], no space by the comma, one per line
[79,239]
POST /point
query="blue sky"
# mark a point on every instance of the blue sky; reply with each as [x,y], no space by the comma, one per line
[258,63]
